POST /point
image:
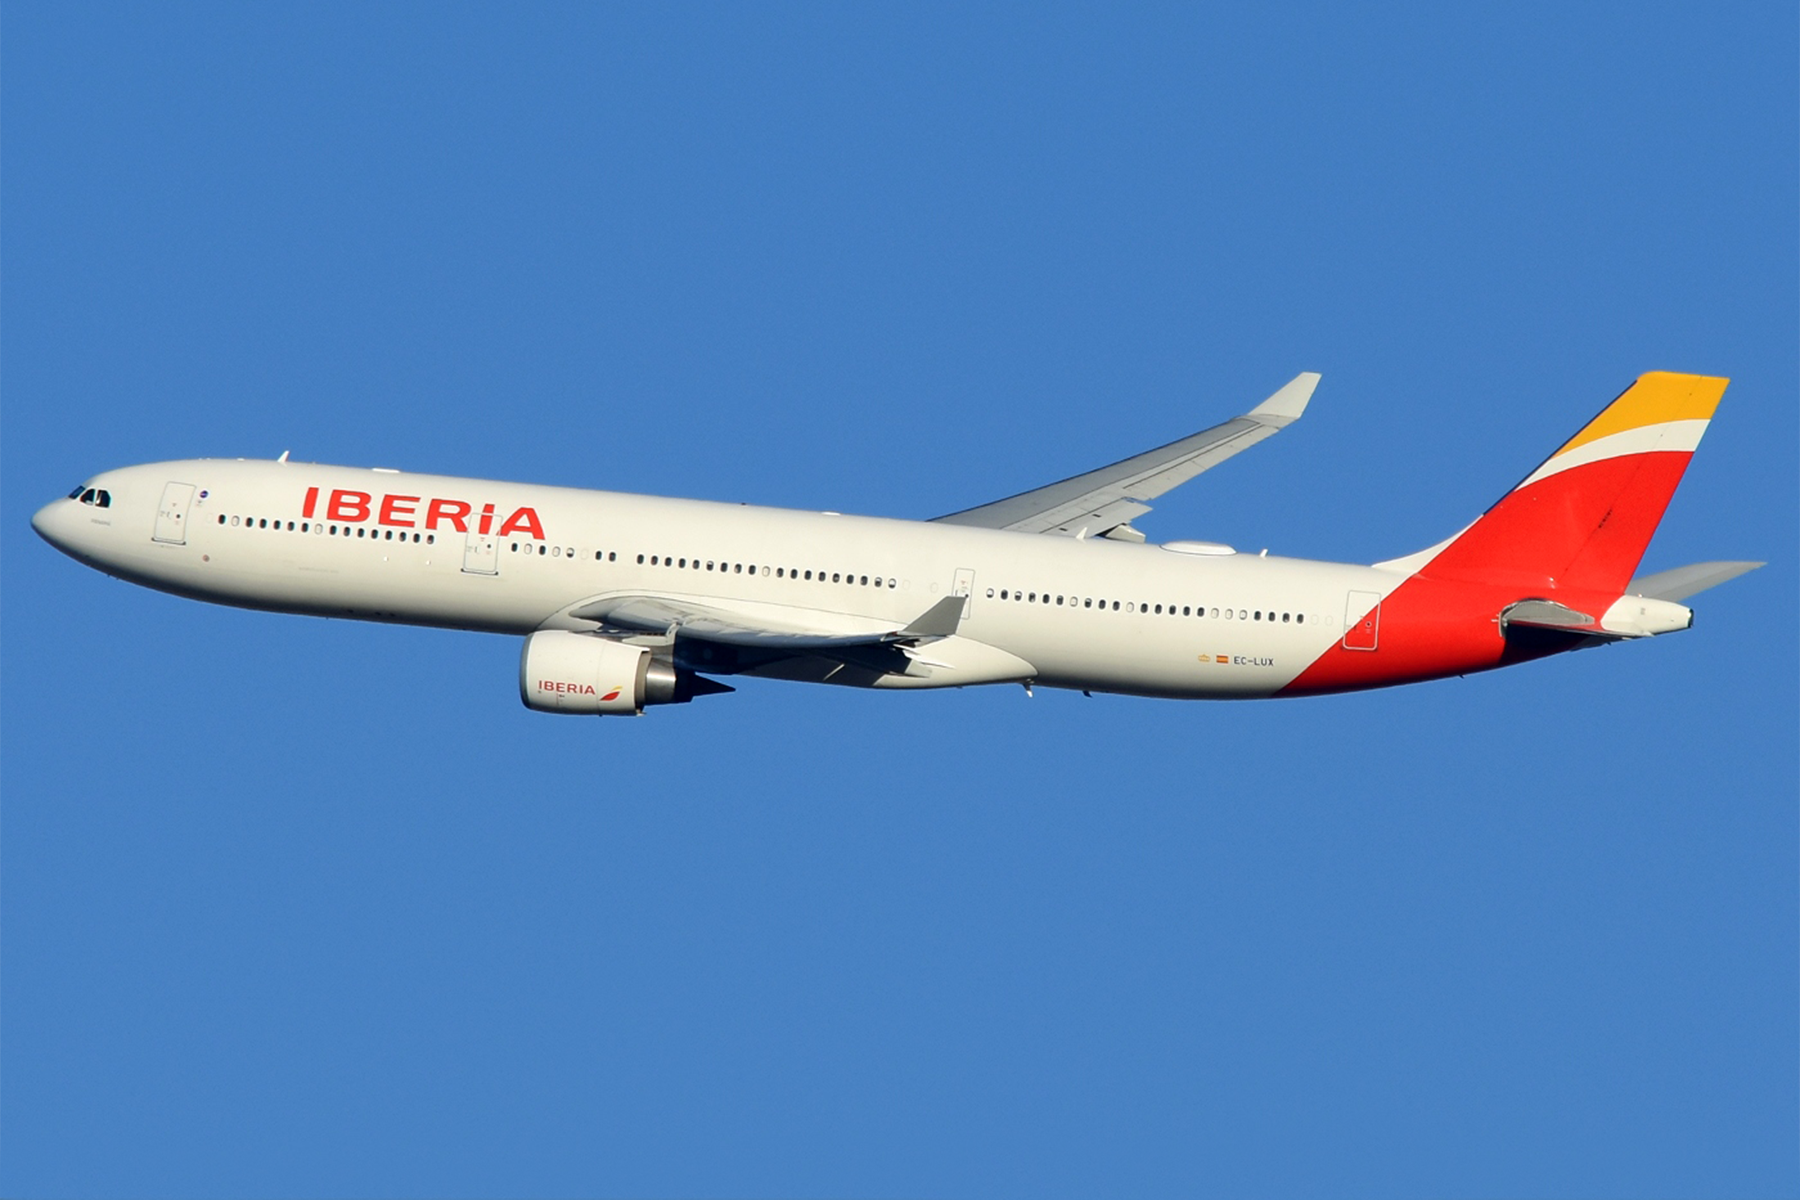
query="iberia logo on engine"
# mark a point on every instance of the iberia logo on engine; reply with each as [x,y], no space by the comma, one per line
[403,512]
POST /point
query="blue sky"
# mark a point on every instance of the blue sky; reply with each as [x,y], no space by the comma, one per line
[295,907]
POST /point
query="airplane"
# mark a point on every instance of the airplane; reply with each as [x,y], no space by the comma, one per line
[627,601]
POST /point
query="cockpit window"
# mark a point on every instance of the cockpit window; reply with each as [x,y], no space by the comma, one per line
[102,498]
[79,488]
[87,497]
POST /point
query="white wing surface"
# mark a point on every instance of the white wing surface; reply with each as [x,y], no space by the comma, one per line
[1101,503]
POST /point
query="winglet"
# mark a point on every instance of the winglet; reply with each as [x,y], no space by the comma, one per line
[938,621]
[1286,405]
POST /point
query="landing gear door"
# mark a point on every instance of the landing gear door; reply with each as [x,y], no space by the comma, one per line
[964,587]
[172,514]
[481,554]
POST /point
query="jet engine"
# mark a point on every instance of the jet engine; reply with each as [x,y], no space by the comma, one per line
[563,672]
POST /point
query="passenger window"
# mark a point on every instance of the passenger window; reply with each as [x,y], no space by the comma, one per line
[1284,618]
[738,568]
[221,518]
[541,550]
[1184,610]
[1299,618]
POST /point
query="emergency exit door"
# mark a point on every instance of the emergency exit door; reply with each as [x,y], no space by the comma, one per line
[964,587]
[481,554]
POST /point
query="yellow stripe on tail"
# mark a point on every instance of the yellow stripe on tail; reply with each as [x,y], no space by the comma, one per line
[1657,397]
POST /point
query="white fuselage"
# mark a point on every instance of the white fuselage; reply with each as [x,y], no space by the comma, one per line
[1089,614]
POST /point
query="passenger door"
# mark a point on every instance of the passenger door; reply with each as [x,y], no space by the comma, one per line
[1362,620]
[171,514]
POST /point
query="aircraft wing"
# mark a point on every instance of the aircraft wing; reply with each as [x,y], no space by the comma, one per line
[777,628]
[1101,503]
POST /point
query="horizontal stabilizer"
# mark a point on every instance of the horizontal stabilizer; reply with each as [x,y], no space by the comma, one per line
[1546,614]
[1683,582]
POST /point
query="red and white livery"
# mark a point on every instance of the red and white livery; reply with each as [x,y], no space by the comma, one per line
[625,601]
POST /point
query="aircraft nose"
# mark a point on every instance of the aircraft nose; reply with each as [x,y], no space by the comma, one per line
[48,522]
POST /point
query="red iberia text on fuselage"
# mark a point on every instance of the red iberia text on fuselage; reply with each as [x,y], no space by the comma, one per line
[417,512]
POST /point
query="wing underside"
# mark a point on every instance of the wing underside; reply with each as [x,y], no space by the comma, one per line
[779,641]
[761,628]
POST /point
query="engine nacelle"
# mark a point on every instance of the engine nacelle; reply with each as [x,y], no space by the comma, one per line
[563,672]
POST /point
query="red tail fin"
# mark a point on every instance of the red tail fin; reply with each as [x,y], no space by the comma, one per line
[1583,519]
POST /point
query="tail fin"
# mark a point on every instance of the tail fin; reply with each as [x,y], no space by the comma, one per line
[1583,519]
